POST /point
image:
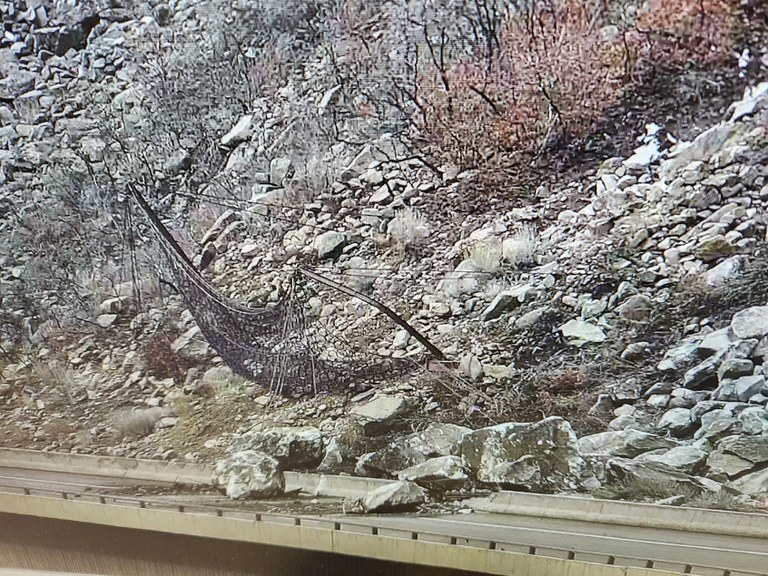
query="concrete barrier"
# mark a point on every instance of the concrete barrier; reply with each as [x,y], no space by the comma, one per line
[624,513]
[112,466]
[176,472]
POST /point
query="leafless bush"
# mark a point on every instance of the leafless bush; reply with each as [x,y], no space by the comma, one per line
[547,79]
[702,31]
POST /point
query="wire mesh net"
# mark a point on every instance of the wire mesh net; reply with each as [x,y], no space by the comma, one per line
[276,346]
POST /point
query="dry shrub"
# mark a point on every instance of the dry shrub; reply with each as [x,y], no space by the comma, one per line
[702,31]
[163,362]
[135,421]
[550,78]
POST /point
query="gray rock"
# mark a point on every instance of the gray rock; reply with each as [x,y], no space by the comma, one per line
[717,424]
[722,466]
[686,459]
[753,449]
[677,421]
[542,456]
[222,222]
[240,132]
[702,408]
[684,398]
[249,474]
[5,390]
[279,170]
[739,390]
[106,320]
[393,497]
[754,420]
[637,308]
[191,344]
[506,301]
[579,332]
[724,272]
[382,413]
[329,244]
[298,447]
[381,196]
[755,98]
[435,441]
[750,323]
[625,443]
[714,248]
[735,367]
[755,484]
[703,375]
[682,354]
[649,476]
[442,473]
[659,401]
[715,342]
[703,147]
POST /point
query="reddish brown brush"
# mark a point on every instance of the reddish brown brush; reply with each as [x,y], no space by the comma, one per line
[683,31]
[549,79]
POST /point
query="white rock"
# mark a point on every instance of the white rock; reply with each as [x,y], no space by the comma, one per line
[750,323]
[249,474]
[579,332]
[106,320]
[329,243]
[396,496]
[240,132]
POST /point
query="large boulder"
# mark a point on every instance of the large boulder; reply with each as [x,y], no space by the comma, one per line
[750,323]
[625,443]
[737,455]
[685,459]
[382,413]
[441,473]
[394,497]
[541,457]
[293,447]
[755,484]
[650,478]
[249,474]
[434,441]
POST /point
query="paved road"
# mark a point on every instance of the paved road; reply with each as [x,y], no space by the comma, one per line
[744,554]
[48,480]
[735,553]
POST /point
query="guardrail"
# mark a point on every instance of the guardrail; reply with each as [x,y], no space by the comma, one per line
[619,565]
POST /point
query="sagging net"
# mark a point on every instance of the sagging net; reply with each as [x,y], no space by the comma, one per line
[275,346]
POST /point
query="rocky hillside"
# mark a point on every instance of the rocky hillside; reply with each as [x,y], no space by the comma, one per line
[601,298]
